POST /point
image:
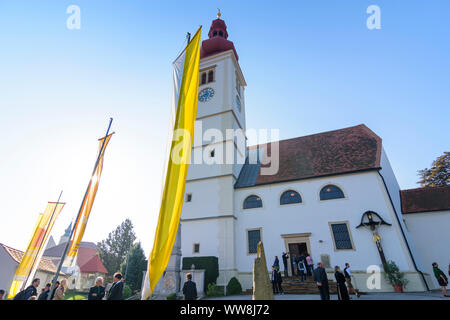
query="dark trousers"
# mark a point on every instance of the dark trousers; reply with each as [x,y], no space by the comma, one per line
[274,286]
[324,292]
[302,275]
[285,271]
[280,289]
[309,269]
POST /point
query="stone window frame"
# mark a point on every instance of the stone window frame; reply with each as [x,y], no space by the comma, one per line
[250,195]
[205,72]
[347,223]
[247,240]
[193,248]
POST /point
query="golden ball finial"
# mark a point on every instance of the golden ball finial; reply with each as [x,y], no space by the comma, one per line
[218,14]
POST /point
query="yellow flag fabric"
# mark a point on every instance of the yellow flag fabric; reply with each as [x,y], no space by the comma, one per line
[30,259]
[80,224]
[177,168]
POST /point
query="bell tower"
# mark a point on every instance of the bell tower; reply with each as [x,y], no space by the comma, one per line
[218,154]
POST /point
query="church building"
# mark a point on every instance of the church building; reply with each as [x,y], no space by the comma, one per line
[334,195]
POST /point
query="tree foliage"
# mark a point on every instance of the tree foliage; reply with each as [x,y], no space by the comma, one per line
[113,250]
[438,175]
[136,265]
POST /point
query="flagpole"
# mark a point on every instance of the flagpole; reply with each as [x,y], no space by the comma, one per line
[42,243]
[128,258]
[79,211]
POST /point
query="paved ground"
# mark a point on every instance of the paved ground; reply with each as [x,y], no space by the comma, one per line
[435,295]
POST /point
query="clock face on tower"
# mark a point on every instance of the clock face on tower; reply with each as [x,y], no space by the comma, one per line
[206,94]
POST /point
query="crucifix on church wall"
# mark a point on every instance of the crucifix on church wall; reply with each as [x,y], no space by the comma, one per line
[373,221]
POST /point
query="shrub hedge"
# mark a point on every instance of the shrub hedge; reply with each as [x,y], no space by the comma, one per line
[209,264]
[234,287]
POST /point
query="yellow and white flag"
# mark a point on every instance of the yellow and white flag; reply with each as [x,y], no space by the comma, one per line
[31,257]
[80,224]
[186,69]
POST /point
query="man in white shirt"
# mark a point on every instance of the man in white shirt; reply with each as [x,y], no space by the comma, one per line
[348,280]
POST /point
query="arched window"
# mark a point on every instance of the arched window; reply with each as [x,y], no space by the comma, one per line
[252,202]
[331,192]
[289,197]
[214,33]
[203,78]
[221,33]
[210,76]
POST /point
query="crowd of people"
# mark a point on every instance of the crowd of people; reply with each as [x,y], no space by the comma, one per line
[96,292]
[303,267]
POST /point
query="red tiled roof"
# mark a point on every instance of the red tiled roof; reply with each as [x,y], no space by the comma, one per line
[328,153]
[85,254]
[93,265]
[44,265]
[425,199]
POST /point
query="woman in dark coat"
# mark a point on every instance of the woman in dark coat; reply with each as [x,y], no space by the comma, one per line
[441,278]
[342,288]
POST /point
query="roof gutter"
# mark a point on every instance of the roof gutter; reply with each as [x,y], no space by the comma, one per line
[403,233]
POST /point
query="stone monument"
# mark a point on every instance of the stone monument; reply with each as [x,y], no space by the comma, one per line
[262,290]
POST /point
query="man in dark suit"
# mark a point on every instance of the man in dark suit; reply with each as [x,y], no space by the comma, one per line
[97,292]
[285,257]
[45,292]
[189,288]
[52,294]
[115,293]
[30,291]
[321,279]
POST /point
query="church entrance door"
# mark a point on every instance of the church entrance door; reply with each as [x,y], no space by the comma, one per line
[296,244]
[296,250]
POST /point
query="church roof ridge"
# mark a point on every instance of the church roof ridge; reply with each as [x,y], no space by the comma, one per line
[362,126]
[347,150]
[425,199]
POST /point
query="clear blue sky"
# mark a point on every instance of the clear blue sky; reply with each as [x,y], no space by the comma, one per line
[310,66]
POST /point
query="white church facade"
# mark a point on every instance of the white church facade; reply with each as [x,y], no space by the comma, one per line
[317,202]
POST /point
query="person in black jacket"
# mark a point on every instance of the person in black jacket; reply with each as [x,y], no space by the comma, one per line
[53,291]
[97,292]
[29,292]
[279,281]
[189,288]
[342,288]
[273,280]
[44,294]
[285,257]
[115,293]
[321,279]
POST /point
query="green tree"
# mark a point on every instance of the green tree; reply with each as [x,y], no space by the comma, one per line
[438,175]
[136,265]
[113,250]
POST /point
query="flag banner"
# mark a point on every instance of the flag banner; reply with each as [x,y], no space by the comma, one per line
[80,224]
[186,96]
[31,257]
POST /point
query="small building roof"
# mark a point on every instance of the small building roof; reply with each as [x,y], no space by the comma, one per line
[87,258]
[58,250]
[426,199]
[93,265]
[45,264]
